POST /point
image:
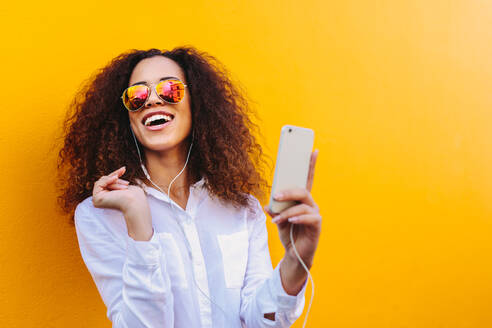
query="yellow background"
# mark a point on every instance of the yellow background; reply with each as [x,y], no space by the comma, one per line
[398,93]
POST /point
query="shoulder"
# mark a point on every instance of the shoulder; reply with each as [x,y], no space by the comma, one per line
[84,206]
[254,208]
[255,217]
[86,209]
[90,218]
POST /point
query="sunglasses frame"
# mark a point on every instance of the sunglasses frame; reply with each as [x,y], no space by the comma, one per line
[150,92]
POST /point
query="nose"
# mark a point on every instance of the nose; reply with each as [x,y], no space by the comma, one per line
[153,99]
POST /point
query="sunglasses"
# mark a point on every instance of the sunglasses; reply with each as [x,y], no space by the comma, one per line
[170,90]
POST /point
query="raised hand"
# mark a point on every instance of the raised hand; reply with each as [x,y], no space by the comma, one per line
[307,220]
[110,191]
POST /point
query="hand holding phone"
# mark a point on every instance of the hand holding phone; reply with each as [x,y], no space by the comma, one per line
[293,209]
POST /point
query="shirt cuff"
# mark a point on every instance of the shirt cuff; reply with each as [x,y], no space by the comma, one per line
[285,302]
[143,252]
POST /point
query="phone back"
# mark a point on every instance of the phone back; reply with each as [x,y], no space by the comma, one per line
[292,165]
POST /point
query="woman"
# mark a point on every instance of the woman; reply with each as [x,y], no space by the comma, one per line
[198,258]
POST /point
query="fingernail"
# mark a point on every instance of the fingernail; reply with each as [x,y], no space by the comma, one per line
[276,219]
[293,219]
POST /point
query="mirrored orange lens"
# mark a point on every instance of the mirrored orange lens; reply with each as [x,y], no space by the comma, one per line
[135,97]
[171,90]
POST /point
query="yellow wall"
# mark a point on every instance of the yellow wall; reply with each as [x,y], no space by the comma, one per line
[398,93]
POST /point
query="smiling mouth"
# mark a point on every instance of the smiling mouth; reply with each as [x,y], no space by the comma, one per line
[158,119]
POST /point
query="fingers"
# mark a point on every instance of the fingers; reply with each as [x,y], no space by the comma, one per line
[312,164]
[296,194]
[122,181]
[108,182]
[308,219]
[119,172]
[101,184]
[294,211]
[118,185]
[105,185]
[112,180]
[267,209]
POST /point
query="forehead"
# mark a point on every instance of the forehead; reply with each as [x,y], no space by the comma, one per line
[152,69]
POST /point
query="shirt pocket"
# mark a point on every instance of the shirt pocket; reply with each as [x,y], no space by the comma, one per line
[174,261]
[234,249]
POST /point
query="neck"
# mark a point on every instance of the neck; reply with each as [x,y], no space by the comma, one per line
[163,167]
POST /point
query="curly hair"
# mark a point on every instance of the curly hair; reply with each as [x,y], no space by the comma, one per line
[97,137]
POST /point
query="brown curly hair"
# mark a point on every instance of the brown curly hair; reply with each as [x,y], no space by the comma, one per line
[97,137]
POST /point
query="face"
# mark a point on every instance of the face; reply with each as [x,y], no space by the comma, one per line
[151,133]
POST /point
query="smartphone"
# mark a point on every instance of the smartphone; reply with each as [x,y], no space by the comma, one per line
[292,165]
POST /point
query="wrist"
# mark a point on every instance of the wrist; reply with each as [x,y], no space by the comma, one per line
[140,233]
[139,225]
[129,207]
[291,257]
[292,274]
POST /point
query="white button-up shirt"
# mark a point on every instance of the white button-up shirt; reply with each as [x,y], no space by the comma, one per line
[206,266]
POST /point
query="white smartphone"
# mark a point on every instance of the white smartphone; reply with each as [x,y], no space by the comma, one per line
[292,165]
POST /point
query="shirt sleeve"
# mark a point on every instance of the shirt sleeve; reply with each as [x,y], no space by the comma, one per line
[262,291]
[129,275]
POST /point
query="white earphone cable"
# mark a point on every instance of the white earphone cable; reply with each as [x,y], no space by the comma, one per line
[188,246]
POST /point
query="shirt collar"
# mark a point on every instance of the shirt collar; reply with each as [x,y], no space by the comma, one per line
[197,187]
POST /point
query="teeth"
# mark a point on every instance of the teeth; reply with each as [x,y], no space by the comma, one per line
[156,117]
